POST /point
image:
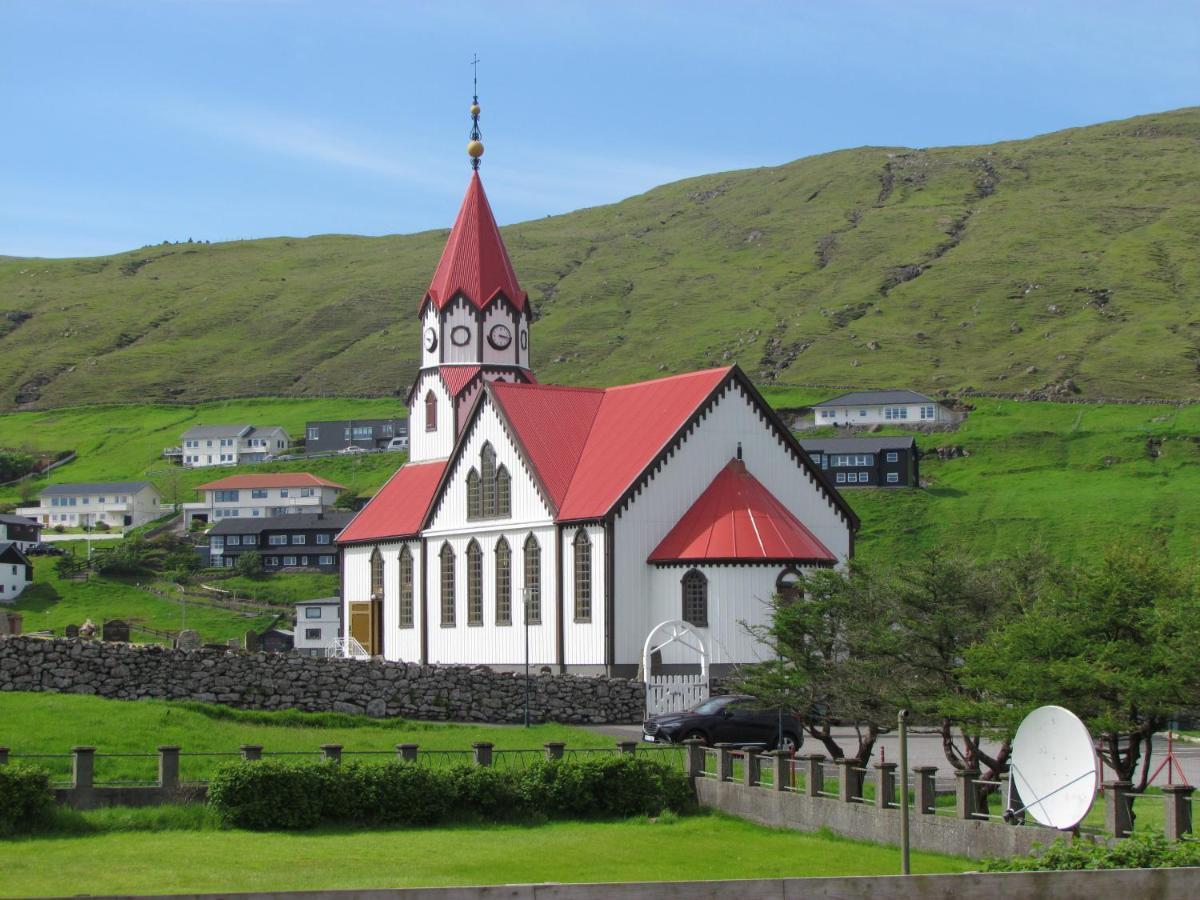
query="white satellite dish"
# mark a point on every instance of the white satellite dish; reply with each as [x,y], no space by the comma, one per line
[1053,768]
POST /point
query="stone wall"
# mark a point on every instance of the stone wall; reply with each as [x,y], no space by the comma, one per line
[284,681]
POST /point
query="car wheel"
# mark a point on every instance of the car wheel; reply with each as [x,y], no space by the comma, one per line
[788,742]
[696,736]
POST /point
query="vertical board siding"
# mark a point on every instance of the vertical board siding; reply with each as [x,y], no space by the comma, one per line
[460,314]
[583,643]
[500,314]
[430,320]
[426,445]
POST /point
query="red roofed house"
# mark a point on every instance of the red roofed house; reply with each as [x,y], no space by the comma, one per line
[261,496]
[609,510]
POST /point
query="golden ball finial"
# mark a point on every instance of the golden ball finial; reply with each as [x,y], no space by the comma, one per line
[475,149]
[474,109]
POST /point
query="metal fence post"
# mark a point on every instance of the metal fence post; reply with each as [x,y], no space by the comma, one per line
[168,767]
[1178,800]
[965,793]
[814,773]
[483,753]
[252,752]
[331,752]
[925,800]
[407,752]
[1118,818]
[554,749]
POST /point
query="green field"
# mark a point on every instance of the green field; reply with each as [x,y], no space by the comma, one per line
[279,588]
[688,848]
[1004,267]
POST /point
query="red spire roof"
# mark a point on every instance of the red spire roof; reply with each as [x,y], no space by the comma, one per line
[474,261]
[736,518]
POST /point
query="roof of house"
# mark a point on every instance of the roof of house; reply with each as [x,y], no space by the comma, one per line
[737,519]
[398,510]
[857,444]
[217,431]
[8,519]
[400,421]
[321,601]
[474,261]
[874,398]
[10,551]
[269,480]
[294,522]
[96,487]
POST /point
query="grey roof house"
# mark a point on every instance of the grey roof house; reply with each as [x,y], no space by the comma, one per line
[229,445]
[889,462]
[893,407]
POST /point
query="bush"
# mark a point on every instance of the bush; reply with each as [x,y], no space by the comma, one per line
[25,799]
[290,795]
[249,565]
[1137,852]
[101,526]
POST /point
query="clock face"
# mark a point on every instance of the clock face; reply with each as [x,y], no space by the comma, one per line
[499,337]
[460,335]
[430,339]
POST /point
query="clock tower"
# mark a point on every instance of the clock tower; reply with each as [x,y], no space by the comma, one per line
[474,322]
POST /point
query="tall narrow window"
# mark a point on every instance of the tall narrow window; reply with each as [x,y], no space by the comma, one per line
[695,598]
[487,478]
[503,493]
[583,577]
[473,511]
[503,583]
[533,580]
[447,556]
[474,584]
[376,574]
[430,411]
[790,585]
[405,617]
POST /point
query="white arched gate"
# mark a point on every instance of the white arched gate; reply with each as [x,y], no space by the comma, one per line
[672,693]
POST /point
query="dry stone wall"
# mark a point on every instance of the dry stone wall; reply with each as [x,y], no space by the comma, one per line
[284,681]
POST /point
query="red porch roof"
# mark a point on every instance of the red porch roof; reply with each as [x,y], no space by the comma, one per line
[737,519]
[400,506]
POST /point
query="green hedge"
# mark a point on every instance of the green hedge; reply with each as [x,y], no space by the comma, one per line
[26,802]
[1137,852]
[268,794]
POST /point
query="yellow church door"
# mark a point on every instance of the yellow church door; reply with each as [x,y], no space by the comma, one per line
[366,625]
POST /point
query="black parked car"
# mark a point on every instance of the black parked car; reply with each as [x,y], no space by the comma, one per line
[731,719]
[44,549]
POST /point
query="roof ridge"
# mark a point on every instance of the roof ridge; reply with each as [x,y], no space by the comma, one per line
[665,378]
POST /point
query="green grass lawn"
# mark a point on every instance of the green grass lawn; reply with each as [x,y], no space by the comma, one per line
[278,587]
[670,848]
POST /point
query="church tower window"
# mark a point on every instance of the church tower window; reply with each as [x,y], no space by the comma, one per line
[503,583]
[695,598]
[405,618]
[583,577]
[474,584]
[431,411]
[473,507]
[533,581]
[447,557]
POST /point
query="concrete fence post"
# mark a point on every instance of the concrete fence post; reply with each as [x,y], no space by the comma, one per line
[168,768]
[3,756]
[849,780]
[781,770]
[1118,818]
[966,793]
[252,752]
[695,759]
[407,752]
[627,746]
[331,752]
[724,762]
[925,801]
[751,768]
[83,768]
[814,773]
[885,785]
[1178,800]
[483,753]
[554,749]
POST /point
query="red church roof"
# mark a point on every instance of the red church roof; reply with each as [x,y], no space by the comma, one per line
[736,518]
[458,377]
[474,261]
[399,508]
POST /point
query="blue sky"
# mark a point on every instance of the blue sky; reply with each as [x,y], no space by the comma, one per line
[129,123]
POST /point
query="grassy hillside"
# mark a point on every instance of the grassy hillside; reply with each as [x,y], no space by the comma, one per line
[1009,267]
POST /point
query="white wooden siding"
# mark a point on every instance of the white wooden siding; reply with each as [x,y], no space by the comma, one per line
[430,320]
[500,314]
[426,445]
[875,413]
[583,642]
[641,592]
[460,314]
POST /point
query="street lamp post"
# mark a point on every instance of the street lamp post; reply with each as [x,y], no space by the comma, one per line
[525,617]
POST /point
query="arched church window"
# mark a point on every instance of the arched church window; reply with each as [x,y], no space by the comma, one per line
[695,598]
[474,583]
[583,576]
[431,411]
[376,574]
[790,584]
[473,507]
[447,598]
[405,617]
[487,479]
[533,580]
[503,583]
[503,493]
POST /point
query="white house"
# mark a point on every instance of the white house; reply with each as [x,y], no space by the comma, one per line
[117,504]
[265,495]
[230,445]
[881,408]
[16,571]
[604,512]
[318,626]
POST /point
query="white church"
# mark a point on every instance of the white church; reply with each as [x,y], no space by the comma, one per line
[598,513]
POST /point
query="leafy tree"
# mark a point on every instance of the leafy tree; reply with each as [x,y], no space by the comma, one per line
[249,565]
[1116,645]
[347,500]
[14,464]
[129,557]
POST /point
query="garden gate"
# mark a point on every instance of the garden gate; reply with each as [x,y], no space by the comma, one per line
[672,693]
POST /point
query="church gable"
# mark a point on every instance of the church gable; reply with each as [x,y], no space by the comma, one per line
[488,481]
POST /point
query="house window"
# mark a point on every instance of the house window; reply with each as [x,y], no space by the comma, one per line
[323,538]
[862,413]
[447,555]
[827,413]
[225,496]
[695,598]
[927,412]
[851,478]
[533,581]
[473,507]
[276,540]
[217,541]
[503,583]
[233,540]
[895,412]
[474,584]
[308,492]
[299,538]
[841,477]
[314,434]
[283,492]
[583,577]
[376,574]
[312,612]
[289,560]
[893,457]
[893,477]
[249,540]
[258,493]
[431,415]
[325,560]
[789,585]
[406,588]
[864,477]
[312,634]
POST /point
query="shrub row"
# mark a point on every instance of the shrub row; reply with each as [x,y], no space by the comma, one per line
[271,794]
[1152,851]
[26,803]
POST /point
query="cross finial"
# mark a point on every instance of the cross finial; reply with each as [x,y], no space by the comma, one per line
[475,144]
